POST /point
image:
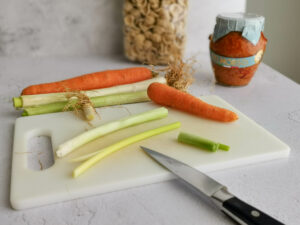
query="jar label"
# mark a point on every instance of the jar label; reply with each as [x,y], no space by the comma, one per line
[236,62]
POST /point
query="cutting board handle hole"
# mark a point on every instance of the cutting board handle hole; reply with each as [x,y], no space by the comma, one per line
[39,153]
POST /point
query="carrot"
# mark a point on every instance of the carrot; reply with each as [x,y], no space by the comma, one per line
[165,95]
[102,79]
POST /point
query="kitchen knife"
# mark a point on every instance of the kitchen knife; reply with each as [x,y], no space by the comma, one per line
[235,208]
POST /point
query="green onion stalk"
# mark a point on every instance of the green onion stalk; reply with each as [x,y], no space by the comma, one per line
[93,158]
[110,127]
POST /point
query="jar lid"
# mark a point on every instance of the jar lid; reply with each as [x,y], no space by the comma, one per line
[249,24]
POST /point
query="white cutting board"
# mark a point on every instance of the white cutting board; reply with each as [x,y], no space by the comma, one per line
[130,167]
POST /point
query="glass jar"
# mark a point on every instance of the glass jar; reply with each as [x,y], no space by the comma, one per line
[237,47]
[154,30]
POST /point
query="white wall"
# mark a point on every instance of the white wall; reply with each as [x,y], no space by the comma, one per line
[202,19]
[60,27]
[282,28]
[89,27]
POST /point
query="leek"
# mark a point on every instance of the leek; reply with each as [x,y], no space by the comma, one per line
[42,99]
[116,99]
[107,128]
[97,156]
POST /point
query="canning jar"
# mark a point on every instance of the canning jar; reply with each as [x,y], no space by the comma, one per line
[237,47]
[154,30]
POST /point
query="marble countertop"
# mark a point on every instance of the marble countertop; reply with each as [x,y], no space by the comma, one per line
[271,99]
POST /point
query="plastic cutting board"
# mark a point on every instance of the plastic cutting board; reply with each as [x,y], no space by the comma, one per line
[130,167]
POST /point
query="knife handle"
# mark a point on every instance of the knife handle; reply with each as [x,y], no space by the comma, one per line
[243,213]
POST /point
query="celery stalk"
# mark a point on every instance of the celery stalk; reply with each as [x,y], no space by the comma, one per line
[107,128]
[25,101]
[201,142]
[121,144]
[108,100]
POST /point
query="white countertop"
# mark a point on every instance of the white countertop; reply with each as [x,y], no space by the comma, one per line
[271,99]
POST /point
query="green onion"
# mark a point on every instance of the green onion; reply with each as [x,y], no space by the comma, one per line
[201,142]
[107,128]
[109,100]
[98,155]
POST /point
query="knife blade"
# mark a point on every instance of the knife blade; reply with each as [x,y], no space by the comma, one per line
[232,206]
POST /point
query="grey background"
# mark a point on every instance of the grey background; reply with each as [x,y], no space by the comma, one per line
[282,29]
[89,27]
[60,27]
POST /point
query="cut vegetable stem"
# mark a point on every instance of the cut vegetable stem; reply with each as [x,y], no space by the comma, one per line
[197,141]
[117,99]
[97,156]
[107,128]
[201,142]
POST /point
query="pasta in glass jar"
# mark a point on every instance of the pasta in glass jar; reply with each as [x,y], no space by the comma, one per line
[154,30]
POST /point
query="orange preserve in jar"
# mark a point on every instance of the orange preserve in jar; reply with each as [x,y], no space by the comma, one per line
[237,47]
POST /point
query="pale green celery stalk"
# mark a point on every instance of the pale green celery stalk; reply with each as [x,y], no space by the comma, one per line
[117,99]
[107,128]
[42,99]
[121,144]
[201,142]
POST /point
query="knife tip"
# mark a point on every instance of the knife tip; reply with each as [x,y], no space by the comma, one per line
[145,149]
[148,151]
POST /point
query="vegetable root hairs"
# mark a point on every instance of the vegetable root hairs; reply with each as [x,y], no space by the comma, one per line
[179,74]
[77,101]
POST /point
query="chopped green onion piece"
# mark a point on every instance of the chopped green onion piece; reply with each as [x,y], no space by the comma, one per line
[201,142]
[121,144]
[107,128]
[197,141]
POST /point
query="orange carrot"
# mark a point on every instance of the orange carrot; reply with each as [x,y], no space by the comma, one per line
[165,95]
[102,79]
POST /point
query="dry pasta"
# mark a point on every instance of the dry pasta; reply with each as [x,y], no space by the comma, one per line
[154,30]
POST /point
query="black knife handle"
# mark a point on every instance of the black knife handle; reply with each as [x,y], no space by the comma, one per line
[242,212]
